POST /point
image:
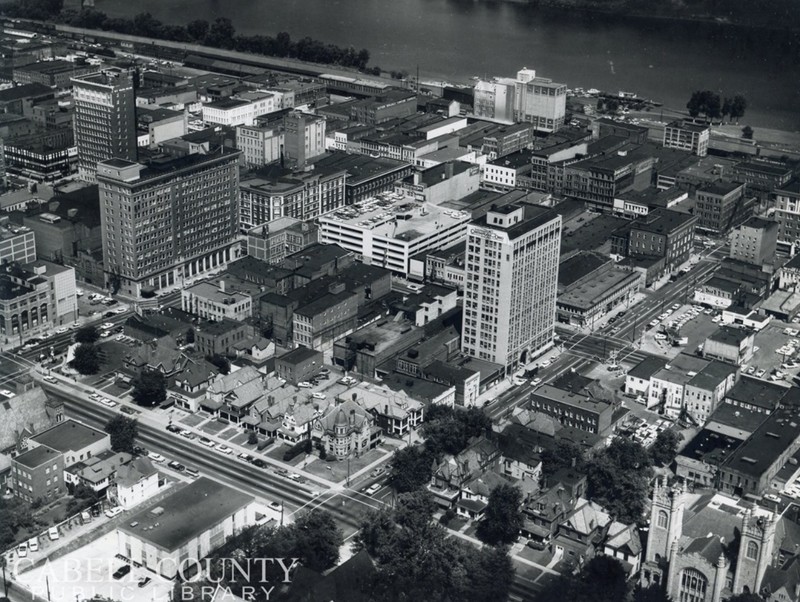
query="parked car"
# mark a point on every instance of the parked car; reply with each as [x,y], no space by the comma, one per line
[143,581]
[317,395]
[761,373]
[112,512]
[373,489]
[122,571]
[206,441]
[174,465]
[536,544]
[304,385]
[156,457]
[22,550]
[52,533]
[223,448]
[33,544]
[173,428]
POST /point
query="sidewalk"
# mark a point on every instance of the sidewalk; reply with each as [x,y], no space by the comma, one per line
[477,542]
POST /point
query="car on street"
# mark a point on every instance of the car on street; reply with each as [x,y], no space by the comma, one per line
[105,334]
[761,373]
[187,434]
[772,498]
[173,428]
[107,402]
[206,441]
[155,457]
[109,314]
[544,364]
[223,448]
[112,512]
[176,466]
[106,325]
[373,489]
[120,310]
[536,381]
[49,379]
[653,323]
[62,330]
[304,385]
[259,463]
[318,395]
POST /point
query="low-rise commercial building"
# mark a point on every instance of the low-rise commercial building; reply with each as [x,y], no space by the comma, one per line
[663,233]
[190,522]
[298,365]
[686,136]
[38,474]
[214,302]
[578,410]
[755,241]
[721,206]
[274,241]
[240,110]
[728,344]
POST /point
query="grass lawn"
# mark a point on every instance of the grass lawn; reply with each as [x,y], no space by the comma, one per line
[192,420]
[214,427]
[457,523]
[338,469]
[240,439]
[228,434]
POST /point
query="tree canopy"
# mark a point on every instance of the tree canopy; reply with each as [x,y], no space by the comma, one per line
[618,478]
[601,579]
[705,102]
[149,388]
[222,363]
[123,430]
[87,334]
[502,519]
[448,430]
[565,453]
[665,447]
[86,359]
[416,559]
[410,468]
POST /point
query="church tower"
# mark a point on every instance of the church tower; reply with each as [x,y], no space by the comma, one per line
[755,552]
[666,520]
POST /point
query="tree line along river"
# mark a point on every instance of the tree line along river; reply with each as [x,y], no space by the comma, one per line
[455,40]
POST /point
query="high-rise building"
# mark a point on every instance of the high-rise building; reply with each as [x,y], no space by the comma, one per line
[511,284]
[169,219]
[304,137]
[105,119]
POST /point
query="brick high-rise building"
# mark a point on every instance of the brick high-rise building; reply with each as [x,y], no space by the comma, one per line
[511,284]
[169,219]
[105,119]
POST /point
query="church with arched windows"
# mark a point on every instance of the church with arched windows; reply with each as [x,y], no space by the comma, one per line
[706,546]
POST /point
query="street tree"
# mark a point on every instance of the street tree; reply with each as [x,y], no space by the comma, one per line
[665,447]
[618,479]
[149,388]
[747,132]
[317,540]
[502,518]
[87,334]
[86,359]
[123,430]
[410,468]
[738,107]
[414,508]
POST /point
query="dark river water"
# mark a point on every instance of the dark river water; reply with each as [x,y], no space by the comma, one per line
[458,39]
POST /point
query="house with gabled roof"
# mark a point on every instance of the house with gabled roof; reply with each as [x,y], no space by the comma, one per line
[582,531]
[623,543]
[232,394]
[347,428]
[453,473]
[162,355]
[135,482]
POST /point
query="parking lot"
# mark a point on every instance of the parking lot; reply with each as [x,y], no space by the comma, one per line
[89,572]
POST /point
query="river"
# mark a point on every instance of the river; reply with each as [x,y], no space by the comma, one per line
[458,39]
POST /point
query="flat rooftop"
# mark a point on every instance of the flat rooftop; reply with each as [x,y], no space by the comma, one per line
[757,392]
[711,447]
[393,215]
[186,513]
[577,400]
[588,293]
[69,436]
[766,444]
[36,457]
